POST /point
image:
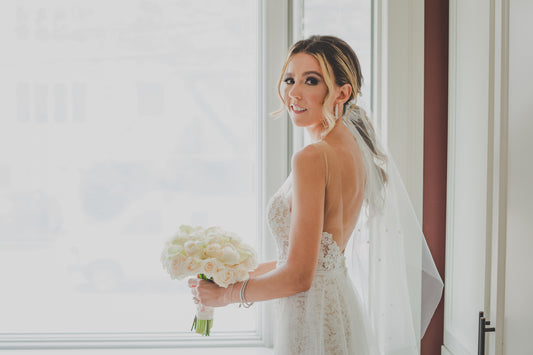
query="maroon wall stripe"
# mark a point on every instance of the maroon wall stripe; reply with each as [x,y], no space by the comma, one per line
[435,150]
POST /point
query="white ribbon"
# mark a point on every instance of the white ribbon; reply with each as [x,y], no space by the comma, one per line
[204,312]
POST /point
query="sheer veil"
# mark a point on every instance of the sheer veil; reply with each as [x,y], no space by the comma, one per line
[392,267]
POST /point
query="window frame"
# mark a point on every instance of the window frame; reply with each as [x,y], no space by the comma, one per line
[398,37]
[273,140]
[398,92]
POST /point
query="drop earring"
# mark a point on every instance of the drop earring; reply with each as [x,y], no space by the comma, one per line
[336,112]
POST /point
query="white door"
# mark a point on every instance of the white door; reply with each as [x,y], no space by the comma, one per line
[466,237]
[490,191]
[516,307]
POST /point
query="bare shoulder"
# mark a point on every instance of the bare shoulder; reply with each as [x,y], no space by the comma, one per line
[309,163]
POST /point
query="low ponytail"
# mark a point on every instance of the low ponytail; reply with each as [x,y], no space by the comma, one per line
[359,119]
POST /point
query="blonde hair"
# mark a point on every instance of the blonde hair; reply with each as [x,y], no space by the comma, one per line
[340,66]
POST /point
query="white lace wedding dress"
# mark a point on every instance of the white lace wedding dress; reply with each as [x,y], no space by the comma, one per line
[327,319]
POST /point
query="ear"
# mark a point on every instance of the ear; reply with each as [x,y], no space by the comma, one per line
[343,94]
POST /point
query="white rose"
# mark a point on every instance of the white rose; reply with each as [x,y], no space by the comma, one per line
[192,248]
[243,252]
[212,249]
[193,265]
[214,239]
[225,277]
[236,241]
[177,266]
[174,250]
[229,255]
[210,267]
[241,273]
[250,263]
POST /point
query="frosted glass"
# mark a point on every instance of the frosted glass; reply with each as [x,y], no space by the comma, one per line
[120,121]
[350,20]
[353,24]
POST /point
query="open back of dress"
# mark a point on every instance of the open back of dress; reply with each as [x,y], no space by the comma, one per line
[329,318]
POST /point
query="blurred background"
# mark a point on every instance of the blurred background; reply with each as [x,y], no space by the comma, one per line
[119,121]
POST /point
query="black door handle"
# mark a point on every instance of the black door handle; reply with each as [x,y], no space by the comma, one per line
[482,329]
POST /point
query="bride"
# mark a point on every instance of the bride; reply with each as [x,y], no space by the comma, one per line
[336,178]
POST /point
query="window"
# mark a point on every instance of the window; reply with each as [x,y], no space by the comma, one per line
[348,20]
[353,24]
[123,121]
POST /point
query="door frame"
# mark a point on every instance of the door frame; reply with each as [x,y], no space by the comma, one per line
[495,15]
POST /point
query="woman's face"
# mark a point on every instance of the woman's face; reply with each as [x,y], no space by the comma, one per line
[304,91]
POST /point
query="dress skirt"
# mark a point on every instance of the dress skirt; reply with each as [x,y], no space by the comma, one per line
[328,319]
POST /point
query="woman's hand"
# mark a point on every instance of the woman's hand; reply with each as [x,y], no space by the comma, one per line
[210,294]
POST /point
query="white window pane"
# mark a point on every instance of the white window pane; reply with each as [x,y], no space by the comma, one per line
[349,20]
[123,120]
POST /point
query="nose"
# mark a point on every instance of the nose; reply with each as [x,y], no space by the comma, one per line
[295,92]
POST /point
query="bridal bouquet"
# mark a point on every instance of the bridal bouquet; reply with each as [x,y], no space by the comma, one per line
[211,254]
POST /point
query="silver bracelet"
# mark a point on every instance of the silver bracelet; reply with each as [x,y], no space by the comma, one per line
[230,293]
[244,303]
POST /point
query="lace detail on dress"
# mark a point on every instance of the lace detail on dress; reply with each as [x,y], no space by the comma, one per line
[279,221]
[328,318]
[330,256]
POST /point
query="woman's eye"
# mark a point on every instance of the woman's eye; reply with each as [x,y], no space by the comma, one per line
[289,81]
[311,81]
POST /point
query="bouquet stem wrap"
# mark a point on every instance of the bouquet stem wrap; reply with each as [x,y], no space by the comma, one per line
[211,254]
[203,320]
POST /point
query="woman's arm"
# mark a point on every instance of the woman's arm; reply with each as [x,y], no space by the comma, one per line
[263,268]
[307,218]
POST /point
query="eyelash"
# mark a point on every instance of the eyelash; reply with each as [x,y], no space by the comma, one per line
[310,80]
[288,81]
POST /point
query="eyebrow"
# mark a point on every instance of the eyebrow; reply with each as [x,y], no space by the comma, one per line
[307,73]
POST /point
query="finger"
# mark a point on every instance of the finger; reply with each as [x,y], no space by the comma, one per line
[192,282]
[204,283]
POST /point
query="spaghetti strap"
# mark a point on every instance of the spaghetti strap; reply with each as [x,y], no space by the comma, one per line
[330,317]
[324,155]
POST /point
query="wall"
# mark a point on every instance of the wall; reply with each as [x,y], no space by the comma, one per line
[518,325]
[435,150]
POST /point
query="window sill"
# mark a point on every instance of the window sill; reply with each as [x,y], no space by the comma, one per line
[173,351]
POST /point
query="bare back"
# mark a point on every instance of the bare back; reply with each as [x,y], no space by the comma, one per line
[345,182]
